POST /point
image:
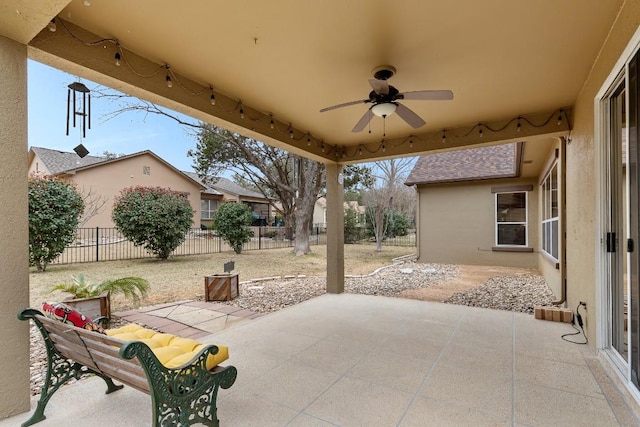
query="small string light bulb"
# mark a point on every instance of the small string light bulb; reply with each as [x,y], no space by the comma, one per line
[519,125]
[168,78]
[212,98]
[360,151]
[411,142]
[291,134]
[308,141]
[384,148]
[86,3]
[118,58]
[241,113]
[480,132]
[444,137]
[52,26]
[560,118]
[272,125]
[323,147]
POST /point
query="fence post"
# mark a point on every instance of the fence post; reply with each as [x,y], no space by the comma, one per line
[97,244]
[259,237]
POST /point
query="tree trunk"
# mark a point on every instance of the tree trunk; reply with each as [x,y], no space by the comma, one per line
[310,182]
[379,227]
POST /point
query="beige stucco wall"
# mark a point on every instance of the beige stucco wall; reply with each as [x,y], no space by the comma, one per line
[457,224]
[14,256]
[108,180]
[36,166]
[583,236]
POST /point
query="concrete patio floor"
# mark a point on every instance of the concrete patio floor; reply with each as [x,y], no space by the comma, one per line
[356,360]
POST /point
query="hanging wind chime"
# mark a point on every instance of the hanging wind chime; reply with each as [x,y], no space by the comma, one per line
[83,111]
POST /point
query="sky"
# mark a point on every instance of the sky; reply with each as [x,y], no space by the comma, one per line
[127,133]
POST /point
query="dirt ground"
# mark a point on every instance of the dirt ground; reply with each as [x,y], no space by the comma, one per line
[469,277]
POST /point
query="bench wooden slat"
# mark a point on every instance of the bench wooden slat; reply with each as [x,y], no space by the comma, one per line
[130,378]
[75,352]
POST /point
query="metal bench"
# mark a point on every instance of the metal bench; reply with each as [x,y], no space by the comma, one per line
[179,397]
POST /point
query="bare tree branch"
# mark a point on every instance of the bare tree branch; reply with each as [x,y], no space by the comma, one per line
[94,204]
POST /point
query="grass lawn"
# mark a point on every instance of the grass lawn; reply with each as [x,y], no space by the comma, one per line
[181,278]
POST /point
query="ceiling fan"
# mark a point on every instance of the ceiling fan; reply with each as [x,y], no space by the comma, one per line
[384,98]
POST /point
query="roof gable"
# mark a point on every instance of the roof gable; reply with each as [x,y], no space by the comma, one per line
[61,161]
[227,186]
[208,189]
[496,161]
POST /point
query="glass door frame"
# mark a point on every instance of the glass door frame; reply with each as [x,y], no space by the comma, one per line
[603,129]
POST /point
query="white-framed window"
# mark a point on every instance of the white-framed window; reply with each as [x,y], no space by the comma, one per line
[208,208]
[511,218]
[550,212]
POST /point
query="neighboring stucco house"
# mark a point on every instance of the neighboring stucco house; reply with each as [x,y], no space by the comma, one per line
[232,192]
[105,178]
[493,205]
[320,211]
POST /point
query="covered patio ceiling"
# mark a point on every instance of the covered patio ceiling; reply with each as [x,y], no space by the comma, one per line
[283,61]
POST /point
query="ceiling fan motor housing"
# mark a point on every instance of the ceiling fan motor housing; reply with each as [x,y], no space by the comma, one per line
[383,72]
[378,98]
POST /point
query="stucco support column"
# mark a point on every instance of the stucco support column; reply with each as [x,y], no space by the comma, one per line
[14,232]
[335,230]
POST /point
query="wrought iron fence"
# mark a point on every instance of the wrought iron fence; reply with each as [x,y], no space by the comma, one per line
[107,244]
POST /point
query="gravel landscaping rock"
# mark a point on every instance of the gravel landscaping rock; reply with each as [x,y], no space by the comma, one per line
[274,294]
[513,293]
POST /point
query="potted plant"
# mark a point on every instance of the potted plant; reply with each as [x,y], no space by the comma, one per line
[93,299]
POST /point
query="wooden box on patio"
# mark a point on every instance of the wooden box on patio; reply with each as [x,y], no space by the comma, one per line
[221,287]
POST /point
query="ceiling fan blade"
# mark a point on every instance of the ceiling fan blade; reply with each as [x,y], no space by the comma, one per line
[381,87]
[409,116]
[346,104]
[427,95]
[363,122]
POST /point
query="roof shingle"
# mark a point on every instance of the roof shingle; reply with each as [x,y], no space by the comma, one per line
[60,161]
[497,161]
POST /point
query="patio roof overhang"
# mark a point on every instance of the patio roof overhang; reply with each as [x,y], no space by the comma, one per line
[283,61]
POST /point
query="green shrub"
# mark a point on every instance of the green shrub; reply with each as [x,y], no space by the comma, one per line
[54,209]
[396,223]
[232,221]
[351,229]
[153,217]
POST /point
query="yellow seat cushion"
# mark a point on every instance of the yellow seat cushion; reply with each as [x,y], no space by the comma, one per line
[171,350]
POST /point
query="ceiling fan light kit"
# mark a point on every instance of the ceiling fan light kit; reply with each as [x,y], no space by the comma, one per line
[385,109]
[384,98]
